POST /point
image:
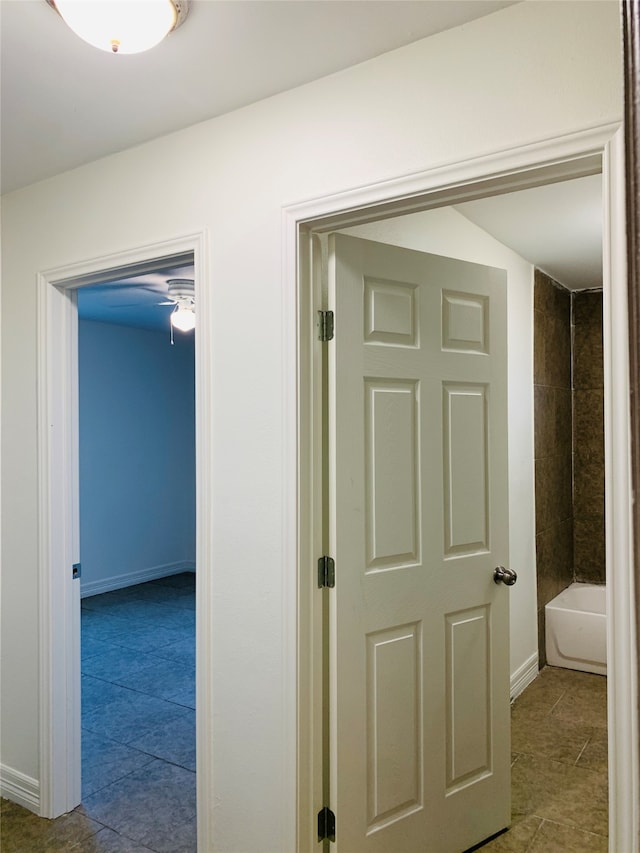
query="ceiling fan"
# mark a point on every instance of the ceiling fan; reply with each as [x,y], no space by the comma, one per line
[182,296]
[144,296]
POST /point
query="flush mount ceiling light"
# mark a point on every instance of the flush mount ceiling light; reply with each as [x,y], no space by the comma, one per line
[122,26]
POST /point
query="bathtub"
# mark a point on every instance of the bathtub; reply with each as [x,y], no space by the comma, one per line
[576,628]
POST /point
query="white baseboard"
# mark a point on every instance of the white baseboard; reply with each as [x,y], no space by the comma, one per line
[131,578]
[523,676]
[19,788]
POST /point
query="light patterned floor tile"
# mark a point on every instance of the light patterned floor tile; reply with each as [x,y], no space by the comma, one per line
[558,838]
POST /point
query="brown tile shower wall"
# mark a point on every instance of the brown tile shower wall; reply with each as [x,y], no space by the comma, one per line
[569,440]
[553,443]
[588,438]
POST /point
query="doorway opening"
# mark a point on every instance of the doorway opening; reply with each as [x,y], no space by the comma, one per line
[313,220]
[59,523]
[136,405]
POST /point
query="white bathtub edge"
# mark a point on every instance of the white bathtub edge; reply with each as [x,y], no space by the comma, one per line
[576,628]
[572,598]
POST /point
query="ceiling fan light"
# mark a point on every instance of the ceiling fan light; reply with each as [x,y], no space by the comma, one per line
[119,26]
[183,318]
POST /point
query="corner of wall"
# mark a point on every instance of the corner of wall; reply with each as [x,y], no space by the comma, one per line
[523,676]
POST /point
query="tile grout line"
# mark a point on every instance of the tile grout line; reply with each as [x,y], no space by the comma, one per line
[571,826]
[533,837]
[557,702]
[589,739]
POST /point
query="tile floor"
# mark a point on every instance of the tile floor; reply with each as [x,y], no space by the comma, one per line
[138,729]
[559,766]
[559,742]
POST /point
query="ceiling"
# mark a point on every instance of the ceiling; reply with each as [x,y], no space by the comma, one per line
[230,53]
[557,227]
[136,301]
[65,103]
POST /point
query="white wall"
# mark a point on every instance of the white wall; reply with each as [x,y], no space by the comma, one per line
[137,454]
[529,72]
[446,232]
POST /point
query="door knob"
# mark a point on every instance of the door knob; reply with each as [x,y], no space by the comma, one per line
[505,576]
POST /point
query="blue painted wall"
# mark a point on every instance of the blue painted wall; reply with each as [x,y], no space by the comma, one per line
[137,454]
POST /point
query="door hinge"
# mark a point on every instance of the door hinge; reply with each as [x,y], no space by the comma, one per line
[326,572]
[76,570]
[325,325]
[326,824]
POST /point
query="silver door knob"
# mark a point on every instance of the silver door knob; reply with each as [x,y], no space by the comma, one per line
[505,576]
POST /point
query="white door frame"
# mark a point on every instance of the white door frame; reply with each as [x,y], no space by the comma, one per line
[592,150]
[58,522]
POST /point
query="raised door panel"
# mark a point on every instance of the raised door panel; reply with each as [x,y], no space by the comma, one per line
[392,473]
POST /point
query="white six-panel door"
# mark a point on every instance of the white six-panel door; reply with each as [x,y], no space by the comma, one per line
[419,679]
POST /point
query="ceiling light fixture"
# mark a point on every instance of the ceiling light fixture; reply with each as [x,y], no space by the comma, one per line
[181,293]
[122,26]
[183,318]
